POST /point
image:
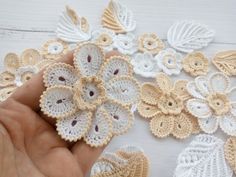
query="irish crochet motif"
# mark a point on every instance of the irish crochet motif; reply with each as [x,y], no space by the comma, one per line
[127,161]
[213,103]
[91,100]
[164,105]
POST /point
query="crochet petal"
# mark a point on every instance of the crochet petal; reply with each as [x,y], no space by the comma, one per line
[181,90]
[30,57]
[6,79]
[150,93]
[202,85]
[6,92]
[147,110]
[57,102]
[164,82]
[88,59]
[60,74]
[11,62]
[209,125]
[218,82]
[116,66]
[198,108]
[193,90]
[100,132]
[228,124]
[121,117]
[123,89]
[232,94]
[74,127]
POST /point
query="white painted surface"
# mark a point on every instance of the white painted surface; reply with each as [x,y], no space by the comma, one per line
[27,24]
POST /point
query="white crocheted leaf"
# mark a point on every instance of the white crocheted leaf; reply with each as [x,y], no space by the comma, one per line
[88,59]
[193,90]
[202,85]
[121,116]
[228,124]
[199,108]
[74,127]
[209,125]
[100,132]
[123,89]
[204,157]
[218,82]
[57,102]
[60,74]
[71,28]
[187,36]
[118,17]
[116,66]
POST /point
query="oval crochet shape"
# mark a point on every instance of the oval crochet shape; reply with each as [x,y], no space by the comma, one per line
[118,17]
[187,36]
[226,62]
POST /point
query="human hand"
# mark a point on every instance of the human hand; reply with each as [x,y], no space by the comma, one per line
[29,143]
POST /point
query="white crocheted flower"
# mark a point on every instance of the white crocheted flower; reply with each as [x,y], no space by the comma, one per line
[145,65]
[169,61]
[126,43]
[104,38]
[90,100]
[214,103]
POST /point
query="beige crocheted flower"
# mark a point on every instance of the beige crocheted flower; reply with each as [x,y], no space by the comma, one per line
[195,64]
[92,99]
[149,42]
[164,105]
[54,49]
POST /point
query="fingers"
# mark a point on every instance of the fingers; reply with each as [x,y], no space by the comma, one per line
[86,155]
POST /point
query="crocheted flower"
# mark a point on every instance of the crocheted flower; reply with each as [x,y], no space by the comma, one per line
[214,103]
[18,70]
[125,43]
[54,49]
[149,42]
[104,38]
[91,100]
[164,105]
[195,64]
[145,65]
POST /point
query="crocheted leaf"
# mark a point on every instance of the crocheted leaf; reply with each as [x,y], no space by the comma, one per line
[187,36]
[119,18]
[72,28]
[226,62]
[204,157]
[230,152]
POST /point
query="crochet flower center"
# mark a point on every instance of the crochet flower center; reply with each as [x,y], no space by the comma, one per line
[219,103]
[104,40]
[55,48]
[170,61]
[150,43]
[88,93]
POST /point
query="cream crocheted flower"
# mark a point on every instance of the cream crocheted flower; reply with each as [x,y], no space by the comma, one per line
[145,65]
[126,43]
[195,64]
[169,61]
[54,49]
[214,103]
[91,100]
[164,105]
[18,70]
[149,42]
[104,38]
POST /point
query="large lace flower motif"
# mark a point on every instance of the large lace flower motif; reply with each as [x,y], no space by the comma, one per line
[145,65]
[104,38]
[126,43]
[169,61]
[91,100]
[214,103]
[164,105]
[18,70]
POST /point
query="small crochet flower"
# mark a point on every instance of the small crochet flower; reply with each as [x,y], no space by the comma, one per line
[104,38]
[164,105]
[149,42]
[145,65]
[195,64]
[18,70]
[214,103]
[169,61]
[54,49]
[91,100]
[126,43]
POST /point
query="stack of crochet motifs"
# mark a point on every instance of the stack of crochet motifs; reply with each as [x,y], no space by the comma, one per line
[92,99]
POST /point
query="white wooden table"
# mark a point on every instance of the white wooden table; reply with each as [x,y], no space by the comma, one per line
[28,24]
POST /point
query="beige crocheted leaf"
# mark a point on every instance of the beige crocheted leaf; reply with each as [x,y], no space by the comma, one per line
[230,152]
[150,93]
[226,62]
[164,82]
